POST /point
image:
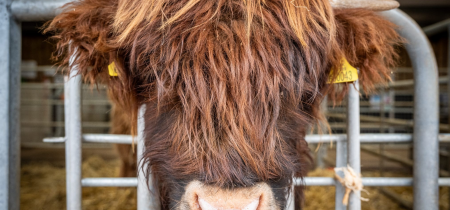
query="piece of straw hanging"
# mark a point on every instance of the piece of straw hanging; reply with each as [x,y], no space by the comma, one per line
[351,181]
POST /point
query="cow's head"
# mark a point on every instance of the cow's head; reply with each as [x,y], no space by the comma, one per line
[230,86]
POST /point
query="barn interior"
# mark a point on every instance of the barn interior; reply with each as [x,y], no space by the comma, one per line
[390,110]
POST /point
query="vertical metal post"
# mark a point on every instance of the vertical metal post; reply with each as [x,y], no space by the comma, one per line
[448,76]
[14,114]
[353,143]
[4,106]
[72,108]
[426,111]
[9,108]
[147,199]
[341,161]
[448,92]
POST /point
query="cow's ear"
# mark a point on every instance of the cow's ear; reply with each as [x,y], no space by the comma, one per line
[369,43]
[374,5]
[84,36]
[83,33]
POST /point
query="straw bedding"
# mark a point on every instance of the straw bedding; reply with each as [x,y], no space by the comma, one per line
[43,187]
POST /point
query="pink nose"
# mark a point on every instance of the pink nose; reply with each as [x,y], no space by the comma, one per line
[206,197]
[204,205]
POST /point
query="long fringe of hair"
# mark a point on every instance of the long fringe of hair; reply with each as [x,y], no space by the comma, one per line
[230,85]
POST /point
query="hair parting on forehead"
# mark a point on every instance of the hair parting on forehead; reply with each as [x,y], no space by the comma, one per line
[230,86]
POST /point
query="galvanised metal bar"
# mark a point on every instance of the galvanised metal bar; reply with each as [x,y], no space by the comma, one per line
[72,110]
[9,108]
[371,181]
[97,138]
[60,102]
[341,161]
[4,107]
[437,27]
[312,139]
[14,113]
[364,138]
[378,181]
[426,116]
[308,181]
[34,85]
[448,72]
[109,182]
[36,10]
[148,198]
[353,144]
[448,83]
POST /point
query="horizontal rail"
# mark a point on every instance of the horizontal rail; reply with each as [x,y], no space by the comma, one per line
[365,138]
[35,85]
[36,10]
[409,82]
[109,182]
[367,181]
[34,102]
[61,124]
[368,118]
[50,68]
[308,181]
[31,85]
[390,121]
[45,10]
[374,109]
[94,124]
[97,138]
[411,70]
[437,27]
[368,103]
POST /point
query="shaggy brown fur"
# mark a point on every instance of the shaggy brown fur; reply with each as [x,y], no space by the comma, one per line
[368,42]
[121,124]
[230,85]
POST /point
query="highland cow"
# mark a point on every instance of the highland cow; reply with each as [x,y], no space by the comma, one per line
[230,86]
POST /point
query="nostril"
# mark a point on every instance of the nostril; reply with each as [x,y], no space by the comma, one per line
[231,205]
[252,206]
[205,205]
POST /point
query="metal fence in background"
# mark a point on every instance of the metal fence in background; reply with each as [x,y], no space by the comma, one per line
[425,136]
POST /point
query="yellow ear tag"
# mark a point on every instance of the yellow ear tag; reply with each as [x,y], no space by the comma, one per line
[112,70]
[348,73]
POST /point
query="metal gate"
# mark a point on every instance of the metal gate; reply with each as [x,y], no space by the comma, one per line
[425,136]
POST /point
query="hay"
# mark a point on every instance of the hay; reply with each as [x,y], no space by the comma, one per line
[43,188]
